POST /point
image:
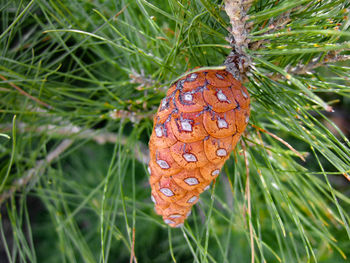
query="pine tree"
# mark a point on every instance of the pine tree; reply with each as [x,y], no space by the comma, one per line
[80,82]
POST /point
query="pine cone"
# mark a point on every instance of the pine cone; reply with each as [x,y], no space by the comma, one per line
[196,127]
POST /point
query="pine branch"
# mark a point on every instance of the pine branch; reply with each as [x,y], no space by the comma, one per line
[101,63]
[35,172]
[78,133]
[237,12]
[237,62]
[331,57]
[32,175]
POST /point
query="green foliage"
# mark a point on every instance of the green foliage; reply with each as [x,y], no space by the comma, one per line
[68,68]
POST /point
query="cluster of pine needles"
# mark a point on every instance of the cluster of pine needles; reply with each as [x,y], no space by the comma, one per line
[80,81]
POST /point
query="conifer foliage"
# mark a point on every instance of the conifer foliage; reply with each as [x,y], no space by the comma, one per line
[80,84]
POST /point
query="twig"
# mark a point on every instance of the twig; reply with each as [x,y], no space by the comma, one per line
[132,256]
[79,133]
[237,62]
[141,79]
[25,93]
[141,150]
[247,194]
[317,62]
[274,26]
[280,140]
[134,117]
[236,11]
[38,169]
[302,69]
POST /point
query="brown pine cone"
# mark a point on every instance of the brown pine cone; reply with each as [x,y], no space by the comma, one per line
[196,127]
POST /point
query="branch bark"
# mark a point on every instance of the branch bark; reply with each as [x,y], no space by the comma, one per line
[237,62]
